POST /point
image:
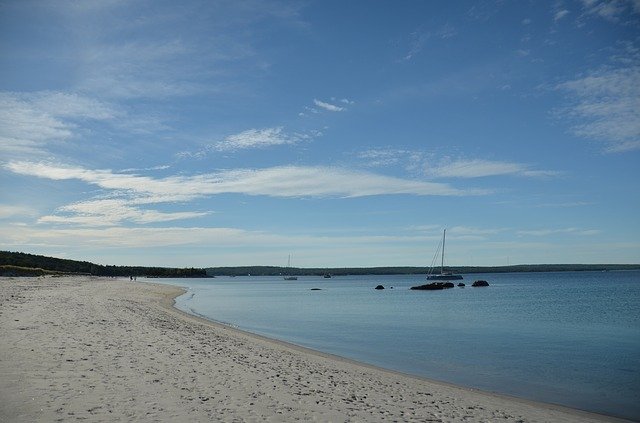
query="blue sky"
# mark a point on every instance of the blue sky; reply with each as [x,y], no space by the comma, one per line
[215,133]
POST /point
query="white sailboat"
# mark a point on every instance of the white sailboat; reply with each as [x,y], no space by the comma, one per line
[288,276]
[442,276]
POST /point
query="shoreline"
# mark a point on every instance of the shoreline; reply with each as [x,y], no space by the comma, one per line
[148,360]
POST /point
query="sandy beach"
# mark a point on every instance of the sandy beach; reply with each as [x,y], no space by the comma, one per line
[98,349]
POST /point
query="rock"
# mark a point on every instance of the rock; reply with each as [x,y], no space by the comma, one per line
[433,286]
[379,287]
[461,285]
[480,283]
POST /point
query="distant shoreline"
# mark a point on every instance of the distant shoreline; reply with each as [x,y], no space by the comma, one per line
[24,264]
[398,270]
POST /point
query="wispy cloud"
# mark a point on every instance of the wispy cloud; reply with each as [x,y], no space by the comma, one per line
[284,181]
[560,14]
[381,157]
[29,121]
[253,139]
[8,211]
[611,10]
[606,107]
[328,106]
[110,212]
[257,138]
[476,232]
[478,168]
[417,40]
[567,231]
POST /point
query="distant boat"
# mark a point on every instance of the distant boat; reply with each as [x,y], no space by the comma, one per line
[289,277]
[327,275]
[442,276]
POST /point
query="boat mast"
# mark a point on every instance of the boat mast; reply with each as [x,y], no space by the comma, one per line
[444,236]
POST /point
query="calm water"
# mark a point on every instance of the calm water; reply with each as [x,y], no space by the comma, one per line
[570,338]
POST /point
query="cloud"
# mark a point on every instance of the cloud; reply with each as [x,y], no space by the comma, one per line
[605,106]
[9,211]
[110,212]
[382,157]
[253,139]
[284,181]
[478,168]
[417,40]
[29,121]
[257,138]
[560,14]
[569,231]
[469,231]
[328,106]
[611,10]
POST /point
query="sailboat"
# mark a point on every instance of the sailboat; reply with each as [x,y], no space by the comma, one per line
[288,277]
[442,276]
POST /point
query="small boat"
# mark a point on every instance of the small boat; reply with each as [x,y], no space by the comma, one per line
[442,276]
[327,276]
[289,277]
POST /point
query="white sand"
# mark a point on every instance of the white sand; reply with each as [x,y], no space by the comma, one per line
[98,349]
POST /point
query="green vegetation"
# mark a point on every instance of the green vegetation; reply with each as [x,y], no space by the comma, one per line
[22,264]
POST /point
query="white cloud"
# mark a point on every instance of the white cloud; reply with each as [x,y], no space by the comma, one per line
[383,157]
[9,211]
[477,232]
[477,168]
[560,14]
[606,107]
[284,181]
[611,10]
[110,212]
[257,138]
[417,40]
[569,231]
[328,106]
[29,121]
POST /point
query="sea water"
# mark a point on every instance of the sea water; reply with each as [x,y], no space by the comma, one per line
[569,338]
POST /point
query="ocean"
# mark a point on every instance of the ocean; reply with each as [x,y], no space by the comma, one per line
[568,338]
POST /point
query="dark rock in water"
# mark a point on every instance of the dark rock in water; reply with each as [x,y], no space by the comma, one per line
[379,287]
[316,289]
[433,286]
[480,283]
[461,285]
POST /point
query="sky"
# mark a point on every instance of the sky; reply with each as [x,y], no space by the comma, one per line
[342,133]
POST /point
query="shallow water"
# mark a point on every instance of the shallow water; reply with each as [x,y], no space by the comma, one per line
[570,338]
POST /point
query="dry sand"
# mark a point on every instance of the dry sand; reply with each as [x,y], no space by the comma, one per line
[97,349]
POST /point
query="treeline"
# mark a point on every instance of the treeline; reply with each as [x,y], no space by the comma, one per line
[15,264]
[276,271]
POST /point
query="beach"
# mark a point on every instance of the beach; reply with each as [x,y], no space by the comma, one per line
[100,349]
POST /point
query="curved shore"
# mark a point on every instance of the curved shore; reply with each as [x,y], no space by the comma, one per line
[101,349]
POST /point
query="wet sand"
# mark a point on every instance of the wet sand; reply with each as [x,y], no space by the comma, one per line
[99,349]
